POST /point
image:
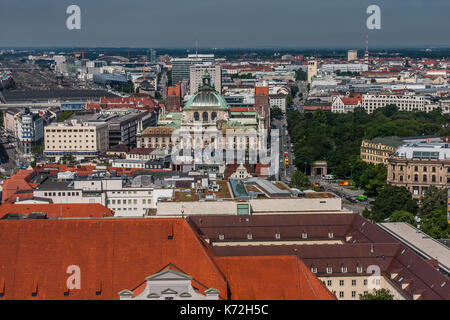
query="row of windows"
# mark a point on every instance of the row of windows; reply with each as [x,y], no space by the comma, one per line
[124,209]
[128,201]
[424,168]
[278,236]
[59,194]
[354,282]
[343,270]
[70,130]
[71,147]
[70,141]
[70,136]
[205,116]
[424,178]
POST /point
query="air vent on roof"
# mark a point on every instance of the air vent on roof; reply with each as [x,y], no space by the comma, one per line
[443,284]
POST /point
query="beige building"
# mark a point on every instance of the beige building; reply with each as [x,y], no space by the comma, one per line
[78,139]
[378,150]
[196,76]
[404,102]
[352,55]
[419,166]
[349,254]
[312,70]
[205,122]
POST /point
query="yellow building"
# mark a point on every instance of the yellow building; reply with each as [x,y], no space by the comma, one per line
[378,150]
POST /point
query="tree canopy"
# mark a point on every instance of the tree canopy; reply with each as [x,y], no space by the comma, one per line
[336,138]
[403,216]
[381,294]
[391,199]
[300,181]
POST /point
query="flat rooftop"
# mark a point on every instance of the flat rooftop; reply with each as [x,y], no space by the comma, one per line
[45,95]
[419,242]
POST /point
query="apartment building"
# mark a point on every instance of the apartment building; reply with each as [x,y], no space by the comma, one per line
[80,140]
[30,131]
[346,104]
[348,253]
[181,66]
[278,100]
[197,72]
[404,102]
[417,166]
[378,150]
[132,198]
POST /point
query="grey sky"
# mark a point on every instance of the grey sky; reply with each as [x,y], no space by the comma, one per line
[224,23]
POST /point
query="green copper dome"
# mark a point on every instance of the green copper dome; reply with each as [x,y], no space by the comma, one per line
[206,97]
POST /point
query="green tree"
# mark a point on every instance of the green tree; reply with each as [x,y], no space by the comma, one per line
[403,216]
[128,87]
[67,159]
[37,150]
[435,224]
[276,113]
[289,100]
[433,199]
[300,181]
[390,199]
[64,116]
[381,294]
[294,90]
[301,75]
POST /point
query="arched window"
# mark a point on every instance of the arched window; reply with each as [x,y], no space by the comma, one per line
[205,116]
[196,116]
[214,116]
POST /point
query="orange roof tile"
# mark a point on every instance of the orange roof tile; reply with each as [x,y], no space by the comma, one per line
[119,253]
[70,210]
[284,278]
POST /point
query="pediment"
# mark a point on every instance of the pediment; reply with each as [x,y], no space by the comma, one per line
[169,291]
[169,275]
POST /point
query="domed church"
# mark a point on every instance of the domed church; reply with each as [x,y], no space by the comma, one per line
[205,122]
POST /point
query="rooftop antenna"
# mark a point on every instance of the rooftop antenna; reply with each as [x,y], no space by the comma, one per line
[366,56]
[196,47]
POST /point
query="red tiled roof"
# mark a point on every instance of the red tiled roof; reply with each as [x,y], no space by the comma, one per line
[69,210]
[17,182]
[174,91]
[117,254]
[144,151]
[231,168]
[284,278]
[262,91]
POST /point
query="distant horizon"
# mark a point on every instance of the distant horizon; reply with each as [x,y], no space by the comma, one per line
[437,47]
[258,24]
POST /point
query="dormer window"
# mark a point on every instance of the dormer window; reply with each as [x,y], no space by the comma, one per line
[329,270]
[304,235]
[249,236]
[330,235]
[344,269]
[221,237]
[359,269]
[277,236]
[314,270]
